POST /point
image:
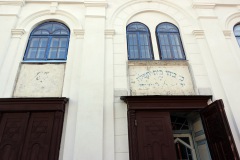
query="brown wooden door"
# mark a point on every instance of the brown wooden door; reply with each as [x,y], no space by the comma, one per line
[38,136]
[12,133]
[30,135]
[218,133]
[154,136]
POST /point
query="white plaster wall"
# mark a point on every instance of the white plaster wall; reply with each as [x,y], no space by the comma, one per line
[208,40]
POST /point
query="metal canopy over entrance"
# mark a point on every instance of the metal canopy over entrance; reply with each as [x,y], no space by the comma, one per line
[149,126]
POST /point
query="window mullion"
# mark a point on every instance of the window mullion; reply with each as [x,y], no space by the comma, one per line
[139,47]
[48,46]
[170,45]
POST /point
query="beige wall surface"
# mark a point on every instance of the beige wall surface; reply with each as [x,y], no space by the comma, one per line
[97,71]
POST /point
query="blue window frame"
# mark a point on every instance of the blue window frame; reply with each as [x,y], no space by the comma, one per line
[236,30]
[169,42]
[139,42]
[48,41]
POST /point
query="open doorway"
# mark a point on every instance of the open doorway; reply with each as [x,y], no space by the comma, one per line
[189,137]
[151,136]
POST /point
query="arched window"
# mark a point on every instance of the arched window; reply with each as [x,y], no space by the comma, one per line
[139,42]
[169,42]
[236,31]
[48,41]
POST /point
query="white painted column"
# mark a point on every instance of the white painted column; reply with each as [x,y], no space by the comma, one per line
[108,120]
[71,83]
[9,15]
[10,66]
[89,131]
[223,71]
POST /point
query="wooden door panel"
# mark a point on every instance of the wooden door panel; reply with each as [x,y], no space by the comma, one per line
[155,138]
[38,136]
[56,135]
[218,133]
[12,133]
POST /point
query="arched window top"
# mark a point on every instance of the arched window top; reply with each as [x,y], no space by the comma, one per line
[236,30]
[137,27]
[167,27]
[48,42]
[51,28]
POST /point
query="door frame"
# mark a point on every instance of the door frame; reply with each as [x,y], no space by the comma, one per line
[160,103]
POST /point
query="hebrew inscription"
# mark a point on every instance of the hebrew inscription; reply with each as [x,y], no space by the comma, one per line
[160,80]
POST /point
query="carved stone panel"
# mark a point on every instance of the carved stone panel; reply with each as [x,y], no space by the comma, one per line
[40,80]
[160,78]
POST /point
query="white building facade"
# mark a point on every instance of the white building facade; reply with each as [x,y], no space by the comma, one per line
[97,68]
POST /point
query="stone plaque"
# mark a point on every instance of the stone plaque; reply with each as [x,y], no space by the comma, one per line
[160,78]
[40,80]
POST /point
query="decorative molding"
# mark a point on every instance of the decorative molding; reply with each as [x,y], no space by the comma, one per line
[53,7]
[207,17]
[199,5]
[227,33]
[17,33]
[158,63]
[12,2]
[95,16]
[109,33]
[95,4]
[166,102]
[79,33]
[199,34]
[33,104]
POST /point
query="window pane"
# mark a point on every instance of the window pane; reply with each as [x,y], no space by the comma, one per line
[43,42]
[54,42]
[61,53]
[41,53]
[52,53]
[177,39]
[180,52]
[31,53]
[47,27]
[34,42]
[237,30]
[64,32]
[172,39]
[238,40]
[63,42]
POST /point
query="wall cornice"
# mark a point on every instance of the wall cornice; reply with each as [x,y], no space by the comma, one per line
[95,4]
[204,5]
[12,2]
[199,5]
